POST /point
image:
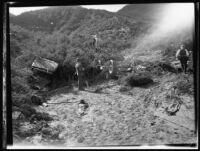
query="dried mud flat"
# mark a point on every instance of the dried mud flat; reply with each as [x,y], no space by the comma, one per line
[117,118]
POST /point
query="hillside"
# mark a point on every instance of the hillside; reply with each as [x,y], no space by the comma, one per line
[143,12]
[45,110]
[78,24]
[113,117]
[137,23]
[62,33]
[169,26]
[63,18]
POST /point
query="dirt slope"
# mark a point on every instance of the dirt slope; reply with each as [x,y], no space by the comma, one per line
[115,118]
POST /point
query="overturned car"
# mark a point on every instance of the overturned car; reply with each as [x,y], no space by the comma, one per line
[43,73]
[44,65]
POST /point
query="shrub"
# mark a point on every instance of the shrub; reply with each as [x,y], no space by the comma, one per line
[36,100]
[158,68]
[138,79]
[40,116]
[17,99]
[185,84]
[167,67]
[19,85]
[27,110]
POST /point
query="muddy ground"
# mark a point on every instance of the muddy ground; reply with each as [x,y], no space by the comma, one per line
[135,116]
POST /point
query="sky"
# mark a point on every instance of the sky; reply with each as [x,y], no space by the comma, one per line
[111,8]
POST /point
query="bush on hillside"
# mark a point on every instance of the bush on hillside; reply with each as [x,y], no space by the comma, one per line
[138,79]
[154,69]
[26,109]
[40,116]
[185,85]
[166,66]
[158,68]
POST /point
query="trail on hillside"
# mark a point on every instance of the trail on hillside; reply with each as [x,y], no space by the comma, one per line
[115,118]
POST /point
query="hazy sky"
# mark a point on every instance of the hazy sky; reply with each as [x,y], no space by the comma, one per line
[112,8]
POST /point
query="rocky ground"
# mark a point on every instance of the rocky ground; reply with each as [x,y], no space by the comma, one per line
[135,116]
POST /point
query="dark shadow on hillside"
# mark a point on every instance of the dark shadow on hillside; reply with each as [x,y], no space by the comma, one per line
[150,85]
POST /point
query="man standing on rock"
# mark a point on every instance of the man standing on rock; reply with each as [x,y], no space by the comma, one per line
[183,55]
[80,73]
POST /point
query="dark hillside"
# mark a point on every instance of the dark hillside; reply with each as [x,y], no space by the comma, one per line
[54,18]
[67,19]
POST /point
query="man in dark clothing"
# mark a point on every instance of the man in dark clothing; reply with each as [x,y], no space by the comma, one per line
[183,55]
[80,73]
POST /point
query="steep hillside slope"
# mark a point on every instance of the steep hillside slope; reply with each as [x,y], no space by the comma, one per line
[78,24]
[62,33]
[170,25]
[143,12]
[63,18]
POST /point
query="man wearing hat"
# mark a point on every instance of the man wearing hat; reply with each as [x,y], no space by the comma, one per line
[183,55]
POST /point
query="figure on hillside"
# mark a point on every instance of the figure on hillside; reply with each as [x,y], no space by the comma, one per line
[112,70]
[80,73]
[99,66]
[183,55]
[82,107]
[95,40]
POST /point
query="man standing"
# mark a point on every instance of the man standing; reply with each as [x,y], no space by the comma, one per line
[80,73]
[99,66]
[112,69]
[95,40]
[183,55]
